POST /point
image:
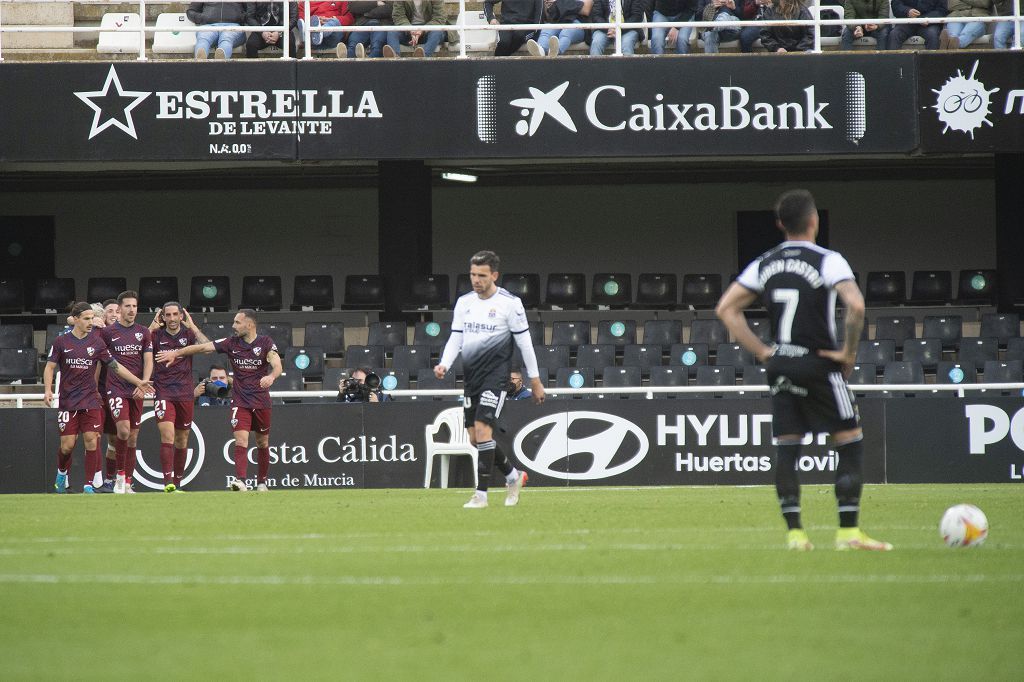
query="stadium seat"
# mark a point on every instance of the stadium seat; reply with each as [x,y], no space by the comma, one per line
[570,334]
[281,333]
[210,293]
[565,290]
[262,292]
[155,291]
[887,287]
[1014,348]
[711,332]
[762,328]
[100,289]
[733,355]
[173,41]
[619,333]
[387,334]
[642,356]
[463,285]
[215,331]
[931,287]
[477,40]
[333,376]
[621,377]
[755,375]
[551,357]
[978,351]
[714,376]
[119,33]
[977,287]
[1002,372]
[18,364]
[411,358]
[877,352]
[536,331]
[428,292]
[364,292]
[53,294]
[903,372]
[426,380]
[574,377]
[595,356]
[16,336]
[926,351]
[328,335]
[434,335]
[313,292]
[52,332]
[1001,326]
[364,356]
[662,333]
[289,381]
[701,290]
[308,360]
[12,296]
[611,289]
[524,285]
[669,376]
[897,328]
[688,354]
[656,290]
[863,373]
[946,328]
[457,443]
[955,373]
[394,379]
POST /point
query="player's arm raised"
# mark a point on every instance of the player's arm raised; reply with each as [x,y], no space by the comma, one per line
[851,297]
[169,356]
[48,382]
[275,369]
[200,336]
[734,301]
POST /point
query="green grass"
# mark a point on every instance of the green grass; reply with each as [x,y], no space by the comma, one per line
[622,584]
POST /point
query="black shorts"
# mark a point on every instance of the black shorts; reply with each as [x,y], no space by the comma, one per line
[484,407]
[810,395]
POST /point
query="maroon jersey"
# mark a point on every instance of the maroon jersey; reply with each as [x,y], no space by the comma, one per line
[249,361]
[126,345]
[76,359]
[174,382]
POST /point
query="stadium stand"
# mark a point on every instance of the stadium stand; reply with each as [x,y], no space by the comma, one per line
[662,333]
[551,357]
[762,328]
[878,352]
[656,290]
[364,292]
[574,377]
[977,351]
[524,285]
[463,285]
[642,356]
[688,354]
[1000,326]
[711,332]
[262,292]
[670,376]
[388,335]
[18,364]
[626,376]
[565,290]
[425,379]
[931,287]
[701,290]
[280,332]
[955,373]
[884,288]
[948,329]
[155,291]
[755,375]
[1014,348]
[313,292]
[1003,371]
[733,355]
[327,335]
[428,292]
[434,335]
[619,333]
[210,292]
[570,334]
[713,376]
[896,328]
[16,336]
[977,287]
[596,357]
[364,356]
[928,352]
[53,294]
[306,360]
[411,358]
[12,296]
[611,290]
[100,289]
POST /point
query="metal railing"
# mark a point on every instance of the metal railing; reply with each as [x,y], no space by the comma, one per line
[461,27]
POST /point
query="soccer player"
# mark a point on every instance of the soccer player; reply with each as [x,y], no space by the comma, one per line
[76,354]
[798,281]
[173,404]
[111,312]
[484,324]
[251,356]
[131,344]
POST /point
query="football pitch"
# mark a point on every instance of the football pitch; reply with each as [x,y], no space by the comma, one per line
[623,584]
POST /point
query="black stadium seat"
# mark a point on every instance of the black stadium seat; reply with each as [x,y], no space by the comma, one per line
[711,332]
[618,377]
[565,290]
[426,380]
[877,352]
[714,376]
[903,372]
[897,328]
[281,333]
[463,285]
[313,292]
[887,287]
[619,333]
[669,376]
[393,379]
[100,289]
[551,357]
[210,292]
[926,351]
[612,289]
[214,331]
[955,373]
[656,290]
[434,335]
[701,290]
[642,356]
[946,328]
[262,292]
[1001,326]
[289,381]
[977,287]
[53,294]
[688,354]
[596,356]
[364,292]
[155,291]
[977,351]
[411,358]
[567,377]
[755,375]
[931,287]
[1002,372]
[387,334]
[16,336]
[307,360]
[12,296]
[863,373]
[524,285]
[427,292]
[762,328]
[662,333]
[18,364]
[733,355]
[364,356]
[328,335]
[1014,348]
[570,334]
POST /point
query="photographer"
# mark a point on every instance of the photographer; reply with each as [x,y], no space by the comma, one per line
[215,389]
[362,387]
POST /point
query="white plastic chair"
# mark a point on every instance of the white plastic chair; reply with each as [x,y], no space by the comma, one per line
[118,42]
[457,444]
[479,41]
[173,42]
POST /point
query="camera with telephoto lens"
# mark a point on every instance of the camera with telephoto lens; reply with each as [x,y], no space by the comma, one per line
[355,391]
[215,389]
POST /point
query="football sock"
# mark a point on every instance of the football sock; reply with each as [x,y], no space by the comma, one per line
[787,483]
[121,448]
[849,482]
[129,463]
[63,462]
[263,460]
[167,462]
[485,464]
[512,476]
[111,466]
[501,461]
[180,456]
[92,463]
[241,463]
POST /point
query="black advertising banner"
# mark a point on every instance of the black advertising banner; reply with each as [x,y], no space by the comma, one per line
[23,454]
[945,440]
[472,109]
[971,102]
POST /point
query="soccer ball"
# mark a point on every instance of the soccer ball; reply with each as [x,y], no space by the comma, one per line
[963,525]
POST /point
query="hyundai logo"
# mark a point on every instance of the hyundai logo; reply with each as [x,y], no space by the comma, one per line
[581,446]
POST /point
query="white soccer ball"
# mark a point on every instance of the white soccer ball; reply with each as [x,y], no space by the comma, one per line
[963,525]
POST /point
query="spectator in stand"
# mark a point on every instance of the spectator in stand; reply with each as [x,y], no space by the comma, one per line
[672,10]
[913,9]
[874,10]
[959,34]
[753,10]
[216,14]
[516,389]
[367,13]
[554,41]
[416,13]
[325,14]
[632,11]
[719,10]
[787,38]
[268,14]
[513,12]
[1002,38]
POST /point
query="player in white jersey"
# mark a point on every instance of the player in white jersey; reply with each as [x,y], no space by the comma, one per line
[484,325]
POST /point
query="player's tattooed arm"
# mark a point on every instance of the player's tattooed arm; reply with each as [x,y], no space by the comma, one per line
[275,369]
[169,356]
[200,336]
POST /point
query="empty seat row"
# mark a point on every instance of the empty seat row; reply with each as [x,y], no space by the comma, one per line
[912,372]
[930,352]
[931,287]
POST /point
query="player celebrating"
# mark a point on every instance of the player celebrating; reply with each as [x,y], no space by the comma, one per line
[130,344]
[76,354]
[483,325]
[173,404]
[798,282]
[111,312]
[250,354]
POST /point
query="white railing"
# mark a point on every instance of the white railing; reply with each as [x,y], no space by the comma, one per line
[461,27]
[648,392]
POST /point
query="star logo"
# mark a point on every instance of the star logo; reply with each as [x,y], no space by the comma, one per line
[122,100]
[542,104]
